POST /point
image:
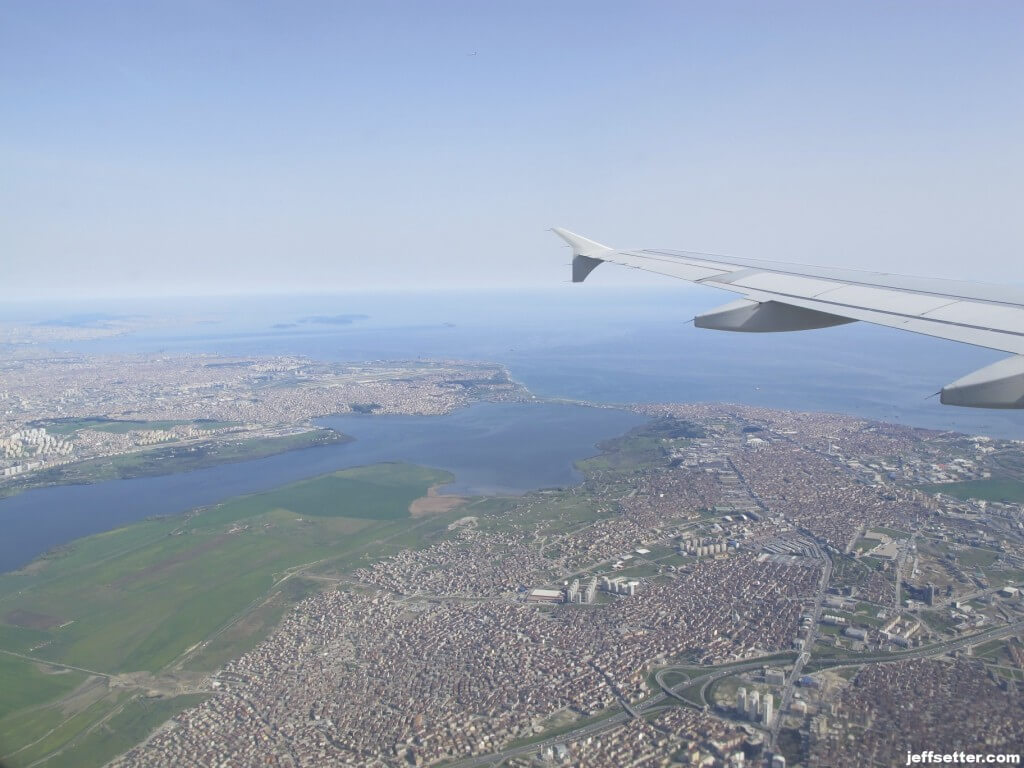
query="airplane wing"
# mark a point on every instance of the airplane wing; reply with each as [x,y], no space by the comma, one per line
[793,297]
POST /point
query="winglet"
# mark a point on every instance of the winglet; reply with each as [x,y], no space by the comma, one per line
[586,254]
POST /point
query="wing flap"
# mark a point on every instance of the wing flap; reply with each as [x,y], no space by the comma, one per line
[995,317]
[781,297]
[1004,341]
[885,300]
[984,315]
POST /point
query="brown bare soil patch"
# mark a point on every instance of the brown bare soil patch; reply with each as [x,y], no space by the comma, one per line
[434,503]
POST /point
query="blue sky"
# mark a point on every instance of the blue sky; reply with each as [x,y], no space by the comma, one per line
[210,147]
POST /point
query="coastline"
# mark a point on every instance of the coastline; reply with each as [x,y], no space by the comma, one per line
[176,459]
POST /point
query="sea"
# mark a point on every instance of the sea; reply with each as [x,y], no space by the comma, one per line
[590,344]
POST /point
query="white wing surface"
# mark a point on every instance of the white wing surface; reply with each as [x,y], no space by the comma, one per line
[791,297]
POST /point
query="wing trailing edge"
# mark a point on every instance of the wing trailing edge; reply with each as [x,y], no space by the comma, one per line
[780,296]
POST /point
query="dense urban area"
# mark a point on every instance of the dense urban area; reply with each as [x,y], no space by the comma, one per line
[729,586]
[57,414]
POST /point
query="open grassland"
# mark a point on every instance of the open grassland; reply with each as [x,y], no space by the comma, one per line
[377,492]
[892,533]
[177,597]
[26,684]
[976,557]
[57,728]
[125,725]
[138,597]
[20,639]
[865,544]
[650,442]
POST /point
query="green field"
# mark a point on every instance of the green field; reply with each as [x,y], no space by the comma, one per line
[938,621]
[642,571]
[641,445]
[672,679]
[976,556]
[147,596]
[865,544]
[26,684]
[677,560]
[137,597]
[20,639]
[129,723]
[991,489]
[892,533]
[373,493]
[55,728]
[849,571]
[872,562]
[692,695]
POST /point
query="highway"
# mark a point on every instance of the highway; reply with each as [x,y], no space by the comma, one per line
[716,673]
[798,666]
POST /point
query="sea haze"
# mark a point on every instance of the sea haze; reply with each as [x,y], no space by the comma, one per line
[590,342]
[586,343]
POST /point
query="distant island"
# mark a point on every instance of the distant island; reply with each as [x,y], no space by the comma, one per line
[333,319]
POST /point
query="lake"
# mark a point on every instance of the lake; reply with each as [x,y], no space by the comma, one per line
[491,448]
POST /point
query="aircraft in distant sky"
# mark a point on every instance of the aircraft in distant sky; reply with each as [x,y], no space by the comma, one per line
[793,297]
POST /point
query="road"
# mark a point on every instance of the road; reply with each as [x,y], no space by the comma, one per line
[716,673]
[798,666]
[56,664]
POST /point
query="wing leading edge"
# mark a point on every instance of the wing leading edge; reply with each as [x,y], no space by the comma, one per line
[778,296]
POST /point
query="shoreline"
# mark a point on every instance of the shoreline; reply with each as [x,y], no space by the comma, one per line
[59,514]
[173,460]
